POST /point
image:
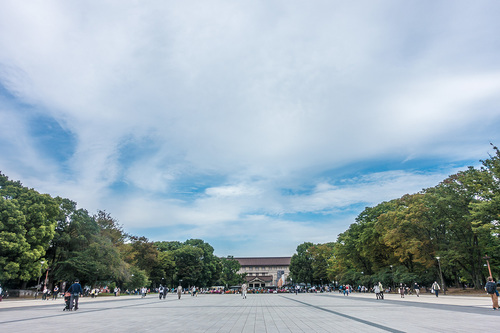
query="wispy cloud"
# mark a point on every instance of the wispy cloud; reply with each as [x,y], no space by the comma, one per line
[238,121]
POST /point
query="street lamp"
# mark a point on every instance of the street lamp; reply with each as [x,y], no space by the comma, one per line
[441,275]
[39,276]
[488,262]
[46,278]
[392,277]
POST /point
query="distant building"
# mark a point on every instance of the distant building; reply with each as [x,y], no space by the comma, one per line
[264,271]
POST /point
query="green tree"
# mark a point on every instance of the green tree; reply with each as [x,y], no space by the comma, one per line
[189,263]
[144,254]
[212,266]
[137,279]
[230,275]
[301,268]
[100,261]
[320,254]
[407,229]
[462,240]
[27,224]
[485,210]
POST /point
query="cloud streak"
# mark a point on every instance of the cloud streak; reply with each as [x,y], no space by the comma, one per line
[185,118]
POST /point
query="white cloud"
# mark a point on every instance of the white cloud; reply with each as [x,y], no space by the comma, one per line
[260,96]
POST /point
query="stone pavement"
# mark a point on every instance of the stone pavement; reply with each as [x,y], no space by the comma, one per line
[328,312]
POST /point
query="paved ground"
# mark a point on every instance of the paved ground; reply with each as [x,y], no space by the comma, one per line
[329,312]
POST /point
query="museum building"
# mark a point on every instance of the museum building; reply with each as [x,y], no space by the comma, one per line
[264,272]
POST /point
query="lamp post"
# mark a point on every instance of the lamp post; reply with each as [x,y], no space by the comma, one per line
[488,263]
[46,278]
[39,276]
[441,275]
[392,277]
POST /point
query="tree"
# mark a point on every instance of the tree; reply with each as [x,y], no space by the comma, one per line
[230,275]
[100,261]
[27,224]
[144,254]
[485,212]
[320,254]
[13,244]
[406,229]
[212,266]
[74,233]
[189,263]
[463,239]
[110,228]
[301,264]
[137,279]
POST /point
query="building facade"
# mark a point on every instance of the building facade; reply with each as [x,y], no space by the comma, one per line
[264,272]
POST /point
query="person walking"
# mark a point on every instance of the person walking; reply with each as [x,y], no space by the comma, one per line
[416,287]
[1,292]
[160,291]
[244,290]
[402,290]
[381,295]
[376,290]
[491,289]
[179,292]
[55,292]
[45,293]
[436,288]
[75,290]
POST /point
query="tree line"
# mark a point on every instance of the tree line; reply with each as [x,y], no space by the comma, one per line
[45,237]
[449,230]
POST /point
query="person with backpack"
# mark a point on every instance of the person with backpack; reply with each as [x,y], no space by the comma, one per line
[491,289]
[436,288]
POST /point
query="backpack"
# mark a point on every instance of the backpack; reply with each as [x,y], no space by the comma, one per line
[490,288]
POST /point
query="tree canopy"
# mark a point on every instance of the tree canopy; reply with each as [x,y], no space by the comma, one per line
[400,241]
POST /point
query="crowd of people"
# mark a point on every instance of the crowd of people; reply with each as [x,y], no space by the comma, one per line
[75,290]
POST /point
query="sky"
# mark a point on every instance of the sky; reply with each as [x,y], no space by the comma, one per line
[253,125]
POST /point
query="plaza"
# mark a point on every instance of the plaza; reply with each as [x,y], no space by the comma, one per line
[319,312]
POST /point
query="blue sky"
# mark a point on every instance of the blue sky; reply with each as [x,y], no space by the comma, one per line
[253,125]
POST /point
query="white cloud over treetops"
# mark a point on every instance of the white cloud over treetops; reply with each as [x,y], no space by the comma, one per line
[238,122]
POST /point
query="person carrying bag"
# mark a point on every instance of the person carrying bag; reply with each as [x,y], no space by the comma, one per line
[491,289]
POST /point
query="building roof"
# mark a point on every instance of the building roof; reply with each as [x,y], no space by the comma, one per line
[264,261]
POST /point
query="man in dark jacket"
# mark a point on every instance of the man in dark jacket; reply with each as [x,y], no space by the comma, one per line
[75,290]
[491,289]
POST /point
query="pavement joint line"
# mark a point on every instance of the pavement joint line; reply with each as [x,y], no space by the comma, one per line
[366,322]
[422,304]
[66,313]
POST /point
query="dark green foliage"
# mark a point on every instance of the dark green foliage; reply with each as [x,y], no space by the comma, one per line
[301,264]
[230,276]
